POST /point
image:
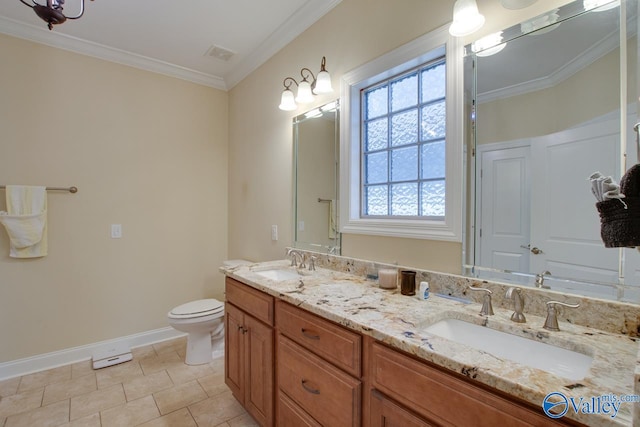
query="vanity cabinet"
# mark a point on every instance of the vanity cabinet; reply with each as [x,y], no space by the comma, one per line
[319,369]
[291,368]
[249,349]
[408,392]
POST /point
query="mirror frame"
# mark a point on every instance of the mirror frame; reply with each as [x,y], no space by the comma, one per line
[469,268]
[331,109]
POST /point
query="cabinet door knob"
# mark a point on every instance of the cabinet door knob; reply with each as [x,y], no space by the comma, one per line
[309,389]
[310,334]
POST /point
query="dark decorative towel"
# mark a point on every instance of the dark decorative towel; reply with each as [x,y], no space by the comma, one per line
[620,227]
[620,219]
[630,182]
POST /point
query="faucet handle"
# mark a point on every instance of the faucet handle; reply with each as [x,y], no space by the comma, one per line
[312,262]
[551,323]
[518,303]
[292,254]
[487,307]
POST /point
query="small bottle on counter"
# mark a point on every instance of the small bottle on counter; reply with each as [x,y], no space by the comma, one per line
[423,291]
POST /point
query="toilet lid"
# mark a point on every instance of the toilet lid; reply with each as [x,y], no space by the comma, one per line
[202,307]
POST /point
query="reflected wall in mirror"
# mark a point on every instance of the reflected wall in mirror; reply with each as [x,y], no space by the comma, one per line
[316,150]
[555,104]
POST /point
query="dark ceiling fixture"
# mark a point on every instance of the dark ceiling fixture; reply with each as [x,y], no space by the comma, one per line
[52,13]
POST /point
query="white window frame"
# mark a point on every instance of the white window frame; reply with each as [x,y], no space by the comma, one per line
[412,54]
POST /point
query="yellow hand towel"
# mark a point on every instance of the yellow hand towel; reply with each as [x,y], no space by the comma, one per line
[26,221]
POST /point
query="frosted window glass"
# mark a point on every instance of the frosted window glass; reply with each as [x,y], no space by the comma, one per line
[433,156]
[404,164]
[403,144]
[404,93]
[376,168]
[404,199]
[377,200]
[404,128]
[433,198]
[377,103]
[433,121]
[433,83]
[377,134]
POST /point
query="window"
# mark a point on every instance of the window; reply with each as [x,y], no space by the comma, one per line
[401,142]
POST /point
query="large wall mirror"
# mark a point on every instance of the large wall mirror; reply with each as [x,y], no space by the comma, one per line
[316,151]
[554,104]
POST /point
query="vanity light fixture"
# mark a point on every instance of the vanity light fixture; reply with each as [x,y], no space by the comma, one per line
[542,23]
[306,89]
[600,5]
[466,18]
[52,13]
[516,4]
[313,113]
[488,45]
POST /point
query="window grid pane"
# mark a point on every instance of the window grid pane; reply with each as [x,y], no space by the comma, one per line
[403,147]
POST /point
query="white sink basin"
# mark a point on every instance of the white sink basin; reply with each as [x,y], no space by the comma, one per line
[559,361]
[279,274]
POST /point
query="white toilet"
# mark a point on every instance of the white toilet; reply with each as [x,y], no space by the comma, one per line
[203,320]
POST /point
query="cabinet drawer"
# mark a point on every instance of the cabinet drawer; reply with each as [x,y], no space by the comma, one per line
[326,393]
[329,341]
[443,398]
[385,413]
[256,303]
[291,415]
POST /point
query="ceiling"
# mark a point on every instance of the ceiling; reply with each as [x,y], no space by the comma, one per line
[173,38]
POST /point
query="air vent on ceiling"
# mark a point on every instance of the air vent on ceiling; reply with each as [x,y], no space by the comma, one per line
[219,52]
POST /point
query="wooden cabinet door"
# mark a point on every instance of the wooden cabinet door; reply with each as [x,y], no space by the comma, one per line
[385,413]
[259,367]
[234,351]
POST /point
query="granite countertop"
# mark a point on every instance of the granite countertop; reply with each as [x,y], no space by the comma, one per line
[398,321]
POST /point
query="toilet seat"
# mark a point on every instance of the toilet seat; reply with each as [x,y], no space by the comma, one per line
[199,308]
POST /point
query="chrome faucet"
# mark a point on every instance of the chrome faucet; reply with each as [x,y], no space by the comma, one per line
[516,295]
[294,254]
[487,308]
[312,263]
[540,280]
[551,323]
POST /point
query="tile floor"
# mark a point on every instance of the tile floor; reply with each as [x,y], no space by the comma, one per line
[155,389]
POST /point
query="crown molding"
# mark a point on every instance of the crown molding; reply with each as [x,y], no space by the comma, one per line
[297,23]
[567,70]
[96,50]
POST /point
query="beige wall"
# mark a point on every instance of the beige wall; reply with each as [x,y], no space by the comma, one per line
[150,152]
[590,93]
[146,151]
[260,138]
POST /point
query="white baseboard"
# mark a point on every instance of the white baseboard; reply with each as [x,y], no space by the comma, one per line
[28,365]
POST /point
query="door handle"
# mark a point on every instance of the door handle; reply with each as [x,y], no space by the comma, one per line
[534,250]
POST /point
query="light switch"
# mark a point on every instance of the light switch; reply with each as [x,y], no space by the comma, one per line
[116,231]
[274,232]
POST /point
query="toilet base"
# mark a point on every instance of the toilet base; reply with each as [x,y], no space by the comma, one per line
[202,347]
[198,348]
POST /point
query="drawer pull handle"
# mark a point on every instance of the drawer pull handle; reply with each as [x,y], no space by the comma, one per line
[309,389]
[310,334]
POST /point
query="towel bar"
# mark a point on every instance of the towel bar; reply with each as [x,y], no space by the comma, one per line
[69,189]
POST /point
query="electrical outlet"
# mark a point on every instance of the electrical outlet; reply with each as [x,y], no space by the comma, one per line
[116,231]
[274,232]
